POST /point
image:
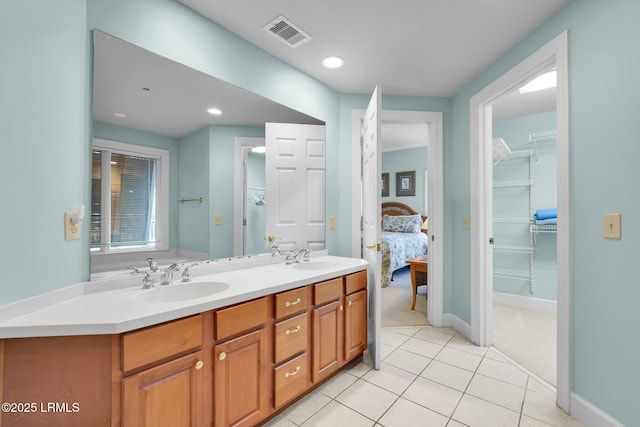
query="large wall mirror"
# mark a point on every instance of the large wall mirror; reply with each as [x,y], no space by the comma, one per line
[164,174]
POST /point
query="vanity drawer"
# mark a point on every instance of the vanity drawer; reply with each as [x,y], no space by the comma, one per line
[242,317]
[327,291]
[290,379]
[291,302]
[356,282]
[146,346]
[291,337]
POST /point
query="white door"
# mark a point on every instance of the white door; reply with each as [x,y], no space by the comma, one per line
[371,219]
[295,182]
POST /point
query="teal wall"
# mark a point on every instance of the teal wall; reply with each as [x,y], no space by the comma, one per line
[193,182]
[411,159]
[47,69]
[603,40]
[513,202]
[45,112]
[148,139]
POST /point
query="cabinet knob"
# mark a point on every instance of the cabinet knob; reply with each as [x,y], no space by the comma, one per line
[199,364]
[222,356]
[350,302]
[292,373]
[341,307]
[290,303]
[292,331]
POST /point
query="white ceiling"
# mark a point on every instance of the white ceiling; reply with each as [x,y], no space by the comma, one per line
[408,47]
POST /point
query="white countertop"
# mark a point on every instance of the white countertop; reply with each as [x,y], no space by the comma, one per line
[115,306]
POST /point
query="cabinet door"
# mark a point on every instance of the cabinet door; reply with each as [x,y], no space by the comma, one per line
[241,373]
[168,395]
[328,339]
[355,327]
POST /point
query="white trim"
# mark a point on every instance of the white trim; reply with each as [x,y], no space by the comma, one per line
[238,186]
[435,193]
[162,191]
[525,302]
[450,320]
[554,52]
[590,415]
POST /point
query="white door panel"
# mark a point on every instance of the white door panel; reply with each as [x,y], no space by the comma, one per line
[371,219]
[295,182]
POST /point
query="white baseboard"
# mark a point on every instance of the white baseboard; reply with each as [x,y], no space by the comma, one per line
[526,302]
[452,321]
[590,415]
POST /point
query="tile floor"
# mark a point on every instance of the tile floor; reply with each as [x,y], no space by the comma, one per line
[429,377]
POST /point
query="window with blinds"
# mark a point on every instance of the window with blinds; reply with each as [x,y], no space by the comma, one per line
[126,189]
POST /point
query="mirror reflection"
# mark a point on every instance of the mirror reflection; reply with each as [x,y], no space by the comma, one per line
[167,142]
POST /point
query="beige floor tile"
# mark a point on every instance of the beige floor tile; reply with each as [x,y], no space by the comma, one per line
[476,412]
[432,395]
[280,421]
[306,408]
[335,414]
[526,421]
[408,331]
[437,335]
[408,361]
[543,407]
[392,338]
[361,367]
[448,375]
[459,358]
[422,347]
[496,391]
[503,371]
[459,342]
[337,384]
[404,413]
[390,378]
[367,399]
[454,423]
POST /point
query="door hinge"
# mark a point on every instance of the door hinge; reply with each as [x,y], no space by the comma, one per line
[491,240]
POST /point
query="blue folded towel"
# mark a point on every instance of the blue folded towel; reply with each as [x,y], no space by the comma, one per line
[546,213]
[548,221]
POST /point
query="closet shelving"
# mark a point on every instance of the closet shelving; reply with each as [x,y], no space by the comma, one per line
[529,156]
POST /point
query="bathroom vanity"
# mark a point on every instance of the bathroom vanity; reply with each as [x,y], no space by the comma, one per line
[236,353]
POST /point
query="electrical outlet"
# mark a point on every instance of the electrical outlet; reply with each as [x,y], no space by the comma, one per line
[466,222]
[71,230]
[612,226]
[218,219]
[332,222]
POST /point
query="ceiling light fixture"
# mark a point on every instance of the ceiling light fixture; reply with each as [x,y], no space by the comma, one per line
[214,111]
[332,62]
[543,81]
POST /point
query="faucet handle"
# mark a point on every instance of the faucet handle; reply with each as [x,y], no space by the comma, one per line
[305,257]
[186,273]
[147,281]
[153,265]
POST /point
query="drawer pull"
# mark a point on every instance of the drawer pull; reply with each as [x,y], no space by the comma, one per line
[292,331]
[222,356]
[199,364]
[292,373]
[290,303]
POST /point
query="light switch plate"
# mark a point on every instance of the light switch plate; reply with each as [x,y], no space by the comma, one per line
[218,219]
[71,230]
[332,222]
[466,222]
[612,226]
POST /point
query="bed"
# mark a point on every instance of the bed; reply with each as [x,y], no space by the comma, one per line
[402,238]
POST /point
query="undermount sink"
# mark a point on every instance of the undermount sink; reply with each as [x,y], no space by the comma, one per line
[316,265]
[182,291]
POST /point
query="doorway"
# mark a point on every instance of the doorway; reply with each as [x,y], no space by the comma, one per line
[434,202]
[553,53]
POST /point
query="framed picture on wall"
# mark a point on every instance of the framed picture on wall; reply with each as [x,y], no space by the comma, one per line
[406,183]
[385,184]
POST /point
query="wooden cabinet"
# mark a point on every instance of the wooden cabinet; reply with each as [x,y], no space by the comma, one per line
[168,395]
[241,364]
[169,390]
[232,366]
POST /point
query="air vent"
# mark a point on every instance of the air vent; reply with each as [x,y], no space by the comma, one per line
[287,32]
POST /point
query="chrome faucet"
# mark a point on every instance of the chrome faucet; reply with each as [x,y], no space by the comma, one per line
[153,265]
[275,250]
[147,281]
[305,257]
[167,276]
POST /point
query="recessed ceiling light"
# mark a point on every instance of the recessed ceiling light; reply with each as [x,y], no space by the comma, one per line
[214,111]
[120,115]
[543,81]
[332,62]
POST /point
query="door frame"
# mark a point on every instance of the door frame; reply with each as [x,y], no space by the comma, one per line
[433,119]
[240,143]
[481,180]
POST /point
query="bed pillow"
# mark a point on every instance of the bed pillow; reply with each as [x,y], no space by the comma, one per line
[402,223]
